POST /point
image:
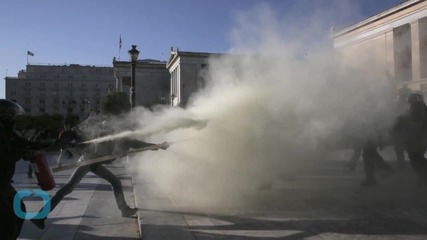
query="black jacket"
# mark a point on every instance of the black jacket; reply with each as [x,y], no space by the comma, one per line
[411,128]
[12,148]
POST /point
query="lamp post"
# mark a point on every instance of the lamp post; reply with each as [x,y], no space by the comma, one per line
[69,104]
[133,55]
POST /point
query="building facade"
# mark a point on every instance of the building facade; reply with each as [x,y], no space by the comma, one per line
[393,43]
[151,81]
[60,89]
[188,72]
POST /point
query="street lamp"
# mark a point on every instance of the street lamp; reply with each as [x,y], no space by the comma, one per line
[69,104]
[133,55]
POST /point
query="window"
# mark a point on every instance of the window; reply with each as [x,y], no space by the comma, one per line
[42,110]
[126,81]
[423,47]
[202,82]
[70,76]
[28,84]
[55,84]
[12,93]
[42,101]
[403,52]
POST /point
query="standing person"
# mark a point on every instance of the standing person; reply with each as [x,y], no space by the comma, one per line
[115,104]
[12,148]
[372,160]
[402,107]
[411,129]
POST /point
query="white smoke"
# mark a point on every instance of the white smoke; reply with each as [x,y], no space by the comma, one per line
[271,109]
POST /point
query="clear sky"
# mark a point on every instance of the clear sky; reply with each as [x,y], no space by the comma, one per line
[87,32]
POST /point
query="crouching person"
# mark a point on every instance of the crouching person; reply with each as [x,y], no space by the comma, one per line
[114,106]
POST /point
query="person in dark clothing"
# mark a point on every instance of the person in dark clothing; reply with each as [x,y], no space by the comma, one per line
[402,107]
[12,148]
[372,160]
[114,104]
[411,128]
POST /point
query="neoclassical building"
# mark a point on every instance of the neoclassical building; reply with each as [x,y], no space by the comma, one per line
[393,42]
[187,74]
[151,81]
[60,89]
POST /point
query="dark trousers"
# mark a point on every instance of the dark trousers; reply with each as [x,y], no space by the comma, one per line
[373,160]
[101,172]
[399,151]
[418,163]
[10,224]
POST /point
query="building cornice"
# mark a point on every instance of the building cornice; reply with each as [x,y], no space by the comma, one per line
[377,17]
[175,54]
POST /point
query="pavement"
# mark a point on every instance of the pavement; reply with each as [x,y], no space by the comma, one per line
[89,212]
[323,201]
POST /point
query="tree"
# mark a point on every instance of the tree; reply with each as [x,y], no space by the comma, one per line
[115,103]
[24,123]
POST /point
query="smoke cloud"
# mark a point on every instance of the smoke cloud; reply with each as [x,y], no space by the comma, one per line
[273,105]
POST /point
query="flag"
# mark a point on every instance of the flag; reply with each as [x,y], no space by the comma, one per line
[120,42]
[30,53]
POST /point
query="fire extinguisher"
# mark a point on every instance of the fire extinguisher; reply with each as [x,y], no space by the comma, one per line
[42,171]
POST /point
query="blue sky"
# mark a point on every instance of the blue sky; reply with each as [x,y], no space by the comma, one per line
[87,31]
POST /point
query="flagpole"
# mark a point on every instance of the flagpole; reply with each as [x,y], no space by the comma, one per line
[27,57]
[120,45]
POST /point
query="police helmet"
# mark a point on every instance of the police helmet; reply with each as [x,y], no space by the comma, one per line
[9,110]
[415,98]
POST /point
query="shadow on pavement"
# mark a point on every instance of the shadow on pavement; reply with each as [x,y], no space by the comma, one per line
[251,228]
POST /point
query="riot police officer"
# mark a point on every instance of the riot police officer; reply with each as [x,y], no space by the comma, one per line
[411,128]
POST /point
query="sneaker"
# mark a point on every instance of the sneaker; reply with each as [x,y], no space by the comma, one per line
[128,212]
[39,223]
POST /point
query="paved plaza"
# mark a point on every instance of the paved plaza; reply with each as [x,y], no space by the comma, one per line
[323,201]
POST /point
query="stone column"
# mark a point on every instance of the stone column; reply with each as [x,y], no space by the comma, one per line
[389,48]
[415,49]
